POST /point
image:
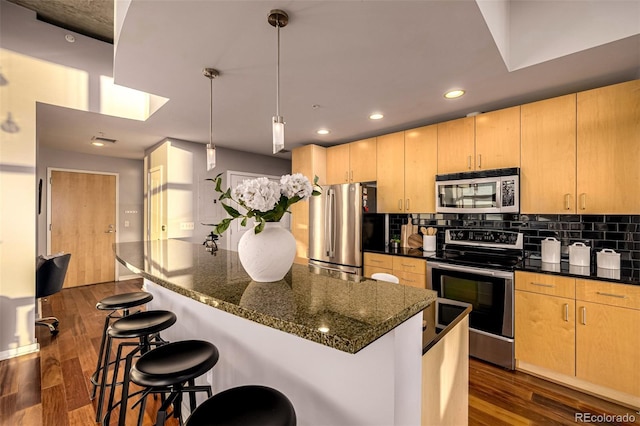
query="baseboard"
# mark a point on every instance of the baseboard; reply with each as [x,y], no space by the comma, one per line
[128,277]
[22,350]
[609,394]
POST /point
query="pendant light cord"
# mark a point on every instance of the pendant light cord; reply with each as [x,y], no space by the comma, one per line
[278,70]
[211,112]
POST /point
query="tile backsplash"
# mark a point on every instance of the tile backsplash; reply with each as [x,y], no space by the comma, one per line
[618,232]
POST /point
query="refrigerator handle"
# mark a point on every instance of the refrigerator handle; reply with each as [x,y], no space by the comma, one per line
[328,224]
[332,224]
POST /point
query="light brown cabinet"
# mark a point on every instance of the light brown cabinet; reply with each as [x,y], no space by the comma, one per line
[498,139]
[608,149]
[456,145]
[406,171]
[311,161]
[352,162]
[545,321]
[410,271]
[485,141]
[608,335]
[548,163]
[583,333]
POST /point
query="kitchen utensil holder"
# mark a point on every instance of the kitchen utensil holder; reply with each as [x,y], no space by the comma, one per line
[608,259]
[429,242]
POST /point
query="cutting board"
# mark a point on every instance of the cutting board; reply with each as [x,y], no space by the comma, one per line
[415,241]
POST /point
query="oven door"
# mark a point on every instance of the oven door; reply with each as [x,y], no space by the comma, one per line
[489,292]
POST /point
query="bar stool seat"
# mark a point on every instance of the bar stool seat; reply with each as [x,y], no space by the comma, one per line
[118,302]
[124,301]
[144,325]
[168,368]
[250,405]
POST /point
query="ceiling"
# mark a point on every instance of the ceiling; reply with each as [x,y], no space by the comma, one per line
[340,61]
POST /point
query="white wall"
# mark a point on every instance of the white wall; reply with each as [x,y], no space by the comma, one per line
[190,196]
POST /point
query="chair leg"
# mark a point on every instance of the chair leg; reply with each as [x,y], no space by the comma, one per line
[192,396]
[124,398]
[143,407]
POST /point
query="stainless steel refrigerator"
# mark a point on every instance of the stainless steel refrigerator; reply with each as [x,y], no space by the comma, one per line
[335,226]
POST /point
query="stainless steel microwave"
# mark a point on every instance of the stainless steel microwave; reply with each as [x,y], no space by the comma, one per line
[487,191]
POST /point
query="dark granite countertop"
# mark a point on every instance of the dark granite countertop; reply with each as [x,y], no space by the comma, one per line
[318,305]
[533,263]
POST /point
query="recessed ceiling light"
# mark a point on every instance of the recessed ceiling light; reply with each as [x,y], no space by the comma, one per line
[452,94]
[97,143]
[323,132]
[376,116]
[70,38]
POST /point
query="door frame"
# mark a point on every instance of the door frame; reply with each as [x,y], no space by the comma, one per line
[231,173]
[93,172]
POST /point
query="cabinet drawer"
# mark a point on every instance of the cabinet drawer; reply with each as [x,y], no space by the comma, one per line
[379,260]
[408,264]
[372,269]
[411,279]
[626,296]
[552,285]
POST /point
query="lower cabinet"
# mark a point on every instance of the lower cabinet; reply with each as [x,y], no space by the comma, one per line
[410,271]
[583,333]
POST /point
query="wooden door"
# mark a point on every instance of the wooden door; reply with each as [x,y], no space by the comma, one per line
[456,139]
[390,172]
[420,169]
[83,223]
[338,164]
[548,163]
[362,160]
[607,341]
[498,139]
[545,331]
[608,149]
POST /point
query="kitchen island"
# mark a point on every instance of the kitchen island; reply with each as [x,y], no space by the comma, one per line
[345,351]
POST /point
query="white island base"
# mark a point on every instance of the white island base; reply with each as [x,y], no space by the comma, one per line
[380,385]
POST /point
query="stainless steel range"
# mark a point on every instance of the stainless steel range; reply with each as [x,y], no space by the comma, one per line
[476,268]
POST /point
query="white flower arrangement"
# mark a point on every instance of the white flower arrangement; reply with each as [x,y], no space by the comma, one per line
[265,200]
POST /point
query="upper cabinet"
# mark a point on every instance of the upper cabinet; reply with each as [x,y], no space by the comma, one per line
[608,149]
[456,151]
[498,139]
[420,168]
[406,171]
[352,162]
[548,163]
[486,141]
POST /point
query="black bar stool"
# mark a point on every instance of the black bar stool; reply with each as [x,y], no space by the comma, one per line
[167,368]
[119,302]
[250,405]
[144,326]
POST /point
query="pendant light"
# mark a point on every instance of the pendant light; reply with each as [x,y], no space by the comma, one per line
[211,73]
[278,18]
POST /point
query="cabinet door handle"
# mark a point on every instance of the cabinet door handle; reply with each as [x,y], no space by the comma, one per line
[375,261]
[567,201]
[479,161]
[410,281]
[346,176]
[408,266]
[583,201]
[619,296]
[543,285]
[400,204]
[469,162]
[566,312]
[584,315]
[406,205]
[351,178]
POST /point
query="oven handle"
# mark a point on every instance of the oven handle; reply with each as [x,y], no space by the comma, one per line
[470,269]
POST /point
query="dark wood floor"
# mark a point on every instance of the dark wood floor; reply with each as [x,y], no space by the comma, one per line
[52,386]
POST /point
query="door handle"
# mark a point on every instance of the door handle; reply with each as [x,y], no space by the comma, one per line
[567,200]
[469,162]
[566,312]
[351,178]
[584,315]
[583,201]
[110,230]
[479,161]
[400,204]
[406,204]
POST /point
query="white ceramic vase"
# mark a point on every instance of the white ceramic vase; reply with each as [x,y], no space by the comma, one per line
[267,256]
